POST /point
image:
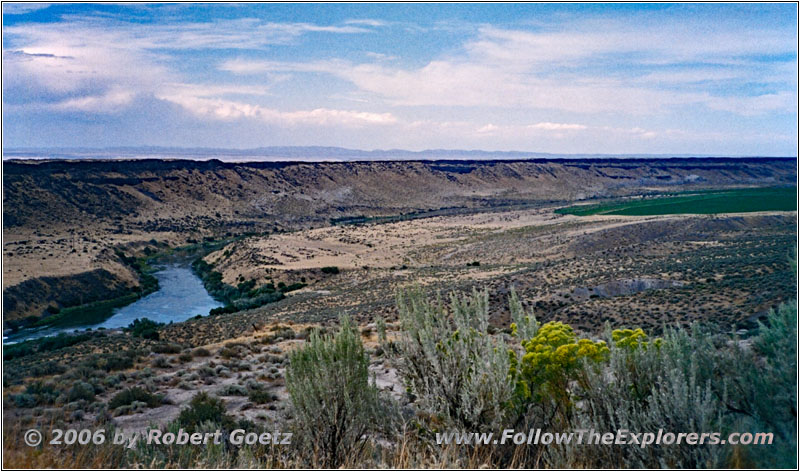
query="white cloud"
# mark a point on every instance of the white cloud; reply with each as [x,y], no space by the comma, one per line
[516,69]
[557,126]
[366,22]
[490,128]
[232,110]
[575,83]
[22,8]
[110,102]
[99,66]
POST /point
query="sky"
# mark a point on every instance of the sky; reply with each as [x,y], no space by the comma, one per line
[563,78]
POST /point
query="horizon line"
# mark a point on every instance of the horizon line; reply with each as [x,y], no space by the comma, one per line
[332,152]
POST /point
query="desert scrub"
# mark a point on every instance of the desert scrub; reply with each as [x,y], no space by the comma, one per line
[647,389]
[333,401]
[764,394]
[144,328]
[201,352]
[161,362]
[185,357]
[204,408]
[695,380]
[81,391]
[134,394]
[550,361]
[36,394]
[232,391]
[261,396]
[45,344]
[633,339]
[448,360]
[166,348]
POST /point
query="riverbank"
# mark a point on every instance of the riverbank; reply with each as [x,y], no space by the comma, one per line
[149,261]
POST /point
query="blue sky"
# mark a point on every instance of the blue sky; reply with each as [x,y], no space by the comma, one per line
[561,78]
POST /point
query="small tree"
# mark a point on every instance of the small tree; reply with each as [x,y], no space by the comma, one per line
[335,404]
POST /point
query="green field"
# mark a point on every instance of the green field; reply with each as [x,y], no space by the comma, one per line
[742,200]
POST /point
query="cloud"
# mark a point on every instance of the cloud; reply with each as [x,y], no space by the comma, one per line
[23,8]
[564,82]
[232,110]
[576,71]
[490,128]
[546,125]
[785,102]
[110,102]
[99,65]
[366,22]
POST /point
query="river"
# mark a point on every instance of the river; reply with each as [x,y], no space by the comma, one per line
[180,296]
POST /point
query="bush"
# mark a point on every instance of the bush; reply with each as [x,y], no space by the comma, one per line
[223,310]
[204,408]
[260,397]
[81,391]
[186,357]
[552,359]
[330,270]
[647,389]
[292,287]
[134,394]
[450,362]
[116,362]
[694,380]
[144,328]
[161,362]
[50,343]
[201,352]
[333,401]
[232,390]
[24,400]
[44,393]
[166,348]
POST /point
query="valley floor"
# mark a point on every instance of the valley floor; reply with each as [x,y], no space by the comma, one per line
[629,271]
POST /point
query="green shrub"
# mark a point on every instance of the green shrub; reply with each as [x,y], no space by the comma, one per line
[45,344]
[116,362]
[24,400]
[259,396]
[81,391]
[204,408]
[166,348]
[134,394]
[232,390]
[161,362]
[201,352]
[334,403]
[185,357]
[223,310]
[144,328]
[292,287]
[44,393]
[330,270]
[764,393]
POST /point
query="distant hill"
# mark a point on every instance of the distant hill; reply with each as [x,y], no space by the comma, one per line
[180,194]
[64,219]
[303,153]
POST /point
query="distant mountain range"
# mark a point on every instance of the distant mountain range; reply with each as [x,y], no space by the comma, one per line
[306,153]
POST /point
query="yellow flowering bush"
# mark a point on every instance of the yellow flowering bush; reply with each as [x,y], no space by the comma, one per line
[551,359]
[633,339]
